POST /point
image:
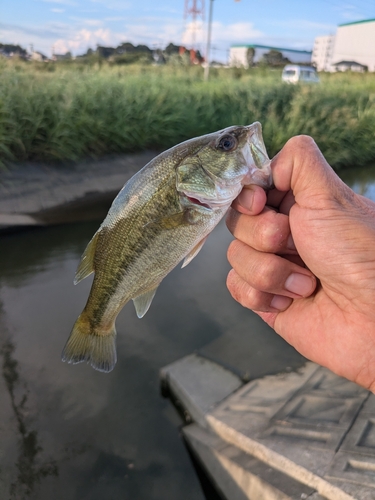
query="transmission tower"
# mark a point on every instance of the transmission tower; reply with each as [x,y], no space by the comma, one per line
[194,10]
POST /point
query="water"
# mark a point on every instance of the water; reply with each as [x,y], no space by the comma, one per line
[71,432]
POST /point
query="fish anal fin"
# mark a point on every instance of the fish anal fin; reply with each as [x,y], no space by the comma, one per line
[94,346]
[194,252]
[86,266]
[143,302]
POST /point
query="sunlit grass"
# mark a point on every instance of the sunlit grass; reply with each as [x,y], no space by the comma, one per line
[68,112]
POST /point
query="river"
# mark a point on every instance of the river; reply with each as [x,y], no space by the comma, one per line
[71,432]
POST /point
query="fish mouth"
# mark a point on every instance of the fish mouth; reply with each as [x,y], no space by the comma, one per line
[197,201]
[224,198]
[256,158]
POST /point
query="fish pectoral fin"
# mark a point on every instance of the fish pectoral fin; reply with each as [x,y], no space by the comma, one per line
[190,256]
[171,221]
[143,302]
[86,266]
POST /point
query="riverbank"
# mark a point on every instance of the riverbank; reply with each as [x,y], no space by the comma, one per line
[33,194]
[76,113]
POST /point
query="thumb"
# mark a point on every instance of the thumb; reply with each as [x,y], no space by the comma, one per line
[301,167]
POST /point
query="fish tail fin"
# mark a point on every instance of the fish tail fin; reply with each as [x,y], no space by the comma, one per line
[91,345]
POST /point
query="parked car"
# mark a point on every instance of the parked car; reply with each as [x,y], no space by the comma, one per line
[292,73]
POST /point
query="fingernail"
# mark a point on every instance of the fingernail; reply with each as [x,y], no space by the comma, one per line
[290,243]
[246,198]
[280,302]
[299,284]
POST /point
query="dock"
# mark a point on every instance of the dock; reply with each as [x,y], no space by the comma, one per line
[300,434]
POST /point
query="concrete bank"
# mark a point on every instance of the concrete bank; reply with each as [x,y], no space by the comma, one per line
[36,194]
[297,435]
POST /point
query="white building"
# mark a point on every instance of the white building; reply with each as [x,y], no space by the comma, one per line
[242,55]
[352,48]
[322,52]
[355,42]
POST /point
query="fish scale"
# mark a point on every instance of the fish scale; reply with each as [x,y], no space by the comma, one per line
[161,216]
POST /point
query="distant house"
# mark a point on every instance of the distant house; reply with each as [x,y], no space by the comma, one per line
[350,66]
[62,57]
[105,51]
[247,55]
[38,56]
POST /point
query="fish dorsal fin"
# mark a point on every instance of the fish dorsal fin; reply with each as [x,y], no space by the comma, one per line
[86,266]
[143,302]
[190,256]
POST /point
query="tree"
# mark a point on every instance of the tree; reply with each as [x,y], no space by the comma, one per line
[274,58]
[250,56]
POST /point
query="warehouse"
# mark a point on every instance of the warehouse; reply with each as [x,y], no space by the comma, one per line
[247,55]
[353,43]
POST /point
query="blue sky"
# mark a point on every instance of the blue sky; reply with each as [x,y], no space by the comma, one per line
[76,25]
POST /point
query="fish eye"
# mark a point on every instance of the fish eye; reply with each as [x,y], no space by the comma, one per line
[227,143]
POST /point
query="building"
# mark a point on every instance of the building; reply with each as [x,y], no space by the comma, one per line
[349,66]
[352,48]
[356,42]
[322,52]
[246,55]
[38,56]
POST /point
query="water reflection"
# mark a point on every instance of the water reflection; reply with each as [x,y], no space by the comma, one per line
[361,180]
[107,436]
[70,432]
[30,467]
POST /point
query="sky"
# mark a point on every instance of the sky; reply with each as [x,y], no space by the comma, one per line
[76,25]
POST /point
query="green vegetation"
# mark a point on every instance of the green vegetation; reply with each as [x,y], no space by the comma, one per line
[72,110]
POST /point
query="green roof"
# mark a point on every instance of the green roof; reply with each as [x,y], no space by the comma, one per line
[255,46]
[358,22]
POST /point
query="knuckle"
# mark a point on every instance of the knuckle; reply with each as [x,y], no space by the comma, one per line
[301,142]
[247,296]
[232,251]
[272,235]
[235,286]
[264,277]
[255,301]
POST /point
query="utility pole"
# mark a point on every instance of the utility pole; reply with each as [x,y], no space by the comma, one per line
[208,47]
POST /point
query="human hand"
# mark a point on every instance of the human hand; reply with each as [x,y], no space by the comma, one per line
[304,261]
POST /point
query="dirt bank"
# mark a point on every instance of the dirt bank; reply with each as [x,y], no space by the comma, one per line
[37,194]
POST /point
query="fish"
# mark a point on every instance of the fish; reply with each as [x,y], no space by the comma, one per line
[162,216]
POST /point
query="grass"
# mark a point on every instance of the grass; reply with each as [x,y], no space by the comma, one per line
[67,112]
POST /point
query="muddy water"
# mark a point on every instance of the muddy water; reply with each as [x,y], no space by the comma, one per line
[71,432]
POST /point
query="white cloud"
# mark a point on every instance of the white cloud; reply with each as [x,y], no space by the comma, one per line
[82,33]
[194,33]
[237,32]
[83,39]
[58,11]
[304,25]
[114,4]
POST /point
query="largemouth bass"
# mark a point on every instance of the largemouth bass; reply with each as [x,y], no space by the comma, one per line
[162,215]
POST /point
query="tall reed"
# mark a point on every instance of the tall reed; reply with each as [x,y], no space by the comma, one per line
[72,112]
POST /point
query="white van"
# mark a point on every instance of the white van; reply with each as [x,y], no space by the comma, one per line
[292,73]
